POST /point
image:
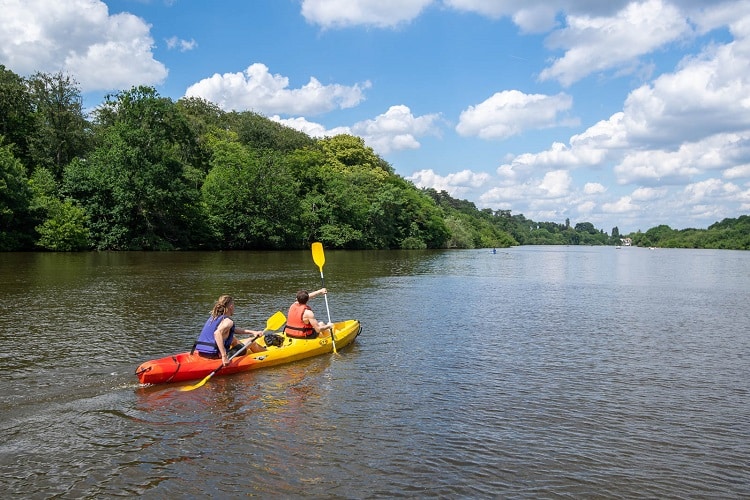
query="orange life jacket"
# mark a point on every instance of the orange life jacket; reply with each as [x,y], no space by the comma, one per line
[295,325]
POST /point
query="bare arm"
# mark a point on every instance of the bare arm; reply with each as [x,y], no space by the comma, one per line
[221,333]
[244,331]
[319,326]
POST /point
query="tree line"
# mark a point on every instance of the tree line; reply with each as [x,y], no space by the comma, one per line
[144,172]
[728,234]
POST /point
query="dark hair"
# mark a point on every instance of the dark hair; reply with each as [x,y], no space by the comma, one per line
[303,296]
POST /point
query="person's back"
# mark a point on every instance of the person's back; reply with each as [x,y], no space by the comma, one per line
[301,322]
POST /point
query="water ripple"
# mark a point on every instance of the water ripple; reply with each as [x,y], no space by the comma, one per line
[533,373]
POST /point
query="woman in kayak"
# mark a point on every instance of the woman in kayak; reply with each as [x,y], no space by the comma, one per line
[301,322]
[217,336]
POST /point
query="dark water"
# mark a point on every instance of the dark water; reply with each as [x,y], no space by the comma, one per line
[538,372]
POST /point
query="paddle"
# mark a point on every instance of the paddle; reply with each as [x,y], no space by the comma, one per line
[320,259]
[274,323]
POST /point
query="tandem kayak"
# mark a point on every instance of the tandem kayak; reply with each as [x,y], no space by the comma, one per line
[185,366]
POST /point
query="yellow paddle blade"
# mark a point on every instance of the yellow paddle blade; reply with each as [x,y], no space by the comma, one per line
[276,321]
[318,255]
[199,384]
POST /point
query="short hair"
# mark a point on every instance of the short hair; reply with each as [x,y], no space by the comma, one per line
[303,296]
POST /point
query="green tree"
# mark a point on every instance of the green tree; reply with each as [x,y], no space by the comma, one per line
[335,201]
[16,115]
[585,227]
[347,152]
[460,232]
[656,235]
[420,220]
[615,239]
[64,226]
[342,204]
[204,120]
[727,234]
[16,215]
[343,190]
[360,202]
[400,216]
[258,132]
[134,186]
[250,198]
[61,131]
[65,229]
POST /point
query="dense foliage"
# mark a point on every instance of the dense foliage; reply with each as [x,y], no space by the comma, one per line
[146,173]
[727,234]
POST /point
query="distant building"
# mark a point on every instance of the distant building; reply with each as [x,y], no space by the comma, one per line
[626,241]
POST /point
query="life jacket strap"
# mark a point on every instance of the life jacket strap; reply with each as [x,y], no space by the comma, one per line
[209,344]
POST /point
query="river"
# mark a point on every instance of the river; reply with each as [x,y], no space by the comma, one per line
[535,372]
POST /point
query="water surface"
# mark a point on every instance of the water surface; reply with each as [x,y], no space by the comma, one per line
[535,372]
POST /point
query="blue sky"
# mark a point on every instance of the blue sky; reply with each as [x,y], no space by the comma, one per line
[619,113]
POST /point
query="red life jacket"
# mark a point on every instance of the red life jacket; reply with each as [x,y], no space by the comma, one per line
[295,325]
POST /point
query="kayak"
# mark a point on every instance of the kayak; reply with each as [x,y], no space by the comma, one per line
[185,366]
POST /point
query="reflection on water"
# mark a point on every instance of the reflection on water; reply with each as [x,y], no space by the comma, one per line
[533,372]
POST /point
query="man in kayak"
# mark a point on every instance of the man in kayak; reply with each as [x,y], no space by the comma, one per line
[217,337]
[301,322]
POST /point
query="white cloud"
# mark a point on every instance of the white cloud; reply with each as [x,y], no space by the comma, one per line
[720,14]
[593,44]
[586,207]
[538,193]
[623,205]
[538,19]
[535,16]
[556,183]
[706,95]
[258,90]
[180,44]
[675,145]
[80,37]
[310,128]
[691,159]
[649,194]
[709,190]
[608,134]
[667,131]
[379,13]
[510,113]
[654,167]
[396,129]
[454,184]
[738,172]
[503,196]
[593,188]
[557,157]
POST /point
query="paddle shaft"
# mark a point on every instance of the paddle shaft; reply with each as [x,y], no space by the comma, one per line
[219,368]
[320,259]
[325,295]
